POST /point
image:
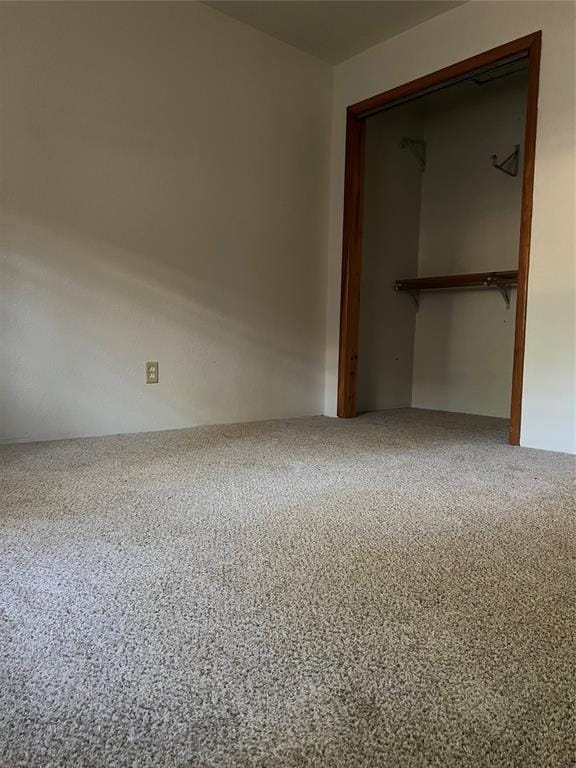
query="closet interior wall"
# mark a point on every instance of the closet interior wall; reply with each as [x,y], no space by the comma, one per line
[460,215]
[391,231]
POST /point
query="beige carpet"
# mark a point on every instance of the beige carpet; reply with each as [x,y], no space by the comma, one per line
[388,591]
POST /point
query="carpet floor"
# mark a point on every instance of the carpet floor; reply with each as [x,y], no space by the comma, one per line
[393,591]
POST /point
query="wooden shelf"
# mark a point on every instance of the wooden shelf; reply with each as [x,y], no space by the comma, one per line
[477,280]
[503,281]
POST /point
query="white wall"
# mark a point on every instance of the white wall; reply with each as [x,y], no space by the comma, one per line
[464,340]
[163,181]
[392,193]
[549,381]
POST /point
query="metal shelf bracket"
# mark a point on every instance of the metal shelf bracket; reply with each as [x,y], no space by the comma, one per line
[505,293]
[415,296]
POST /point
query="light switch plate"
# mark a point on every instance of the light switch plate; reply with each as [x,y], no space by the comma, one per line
[152,373]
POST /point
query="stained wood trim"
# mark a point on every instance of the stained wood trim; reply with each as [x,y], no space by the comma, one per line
[353,211]
[525,236]
[374,103]
[351,265]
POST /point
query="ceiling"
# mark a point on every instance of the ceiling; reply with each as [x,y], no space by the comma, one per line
[333,31]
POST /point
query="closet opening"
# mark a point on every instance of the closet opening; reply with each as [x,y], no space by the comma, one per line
[436,239]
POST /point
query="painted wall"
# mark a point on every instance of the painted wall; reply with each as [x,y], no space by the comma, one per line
[392,193]
[464,340]
[548,419]
[164,180]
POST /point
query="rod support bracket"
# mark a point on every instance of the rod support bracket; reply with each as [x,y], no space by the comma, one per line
[510,164]
[418,149]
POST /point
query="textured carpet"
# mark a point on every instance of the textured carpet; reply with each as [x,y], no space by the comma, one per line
[392,591]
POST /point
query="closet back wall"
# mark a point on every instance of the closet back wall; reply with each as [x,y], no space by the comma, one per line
[470,222]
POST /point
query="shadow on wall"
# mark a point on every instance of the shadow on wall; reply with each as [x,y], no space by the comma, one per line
[160,202]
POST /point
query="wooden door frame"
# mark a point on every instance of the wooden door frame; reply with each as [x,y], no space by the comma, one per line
[356,115]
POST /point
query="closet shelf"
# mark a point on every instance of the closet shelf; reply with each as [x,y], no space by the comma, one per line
[503,281]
